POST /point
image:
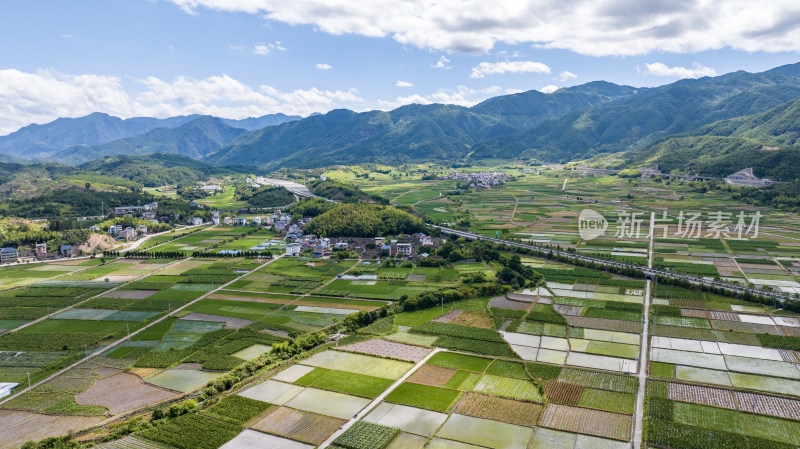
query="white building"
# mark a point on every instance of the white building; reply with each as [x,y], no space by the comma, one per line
[256,221]
[293,249]
[403,249]
[9,254]
[197,221]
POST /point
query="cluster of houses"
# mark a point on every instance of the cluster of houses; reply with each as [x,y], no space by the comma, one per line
[148,211]
[480,180]
[126,233]
[281,222]
[402,247]
[12,255]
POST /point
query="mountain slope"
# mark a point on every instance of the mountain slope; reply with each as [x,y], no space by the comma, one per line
[35,140]
[727,146]
[256,123]
[42,141]
[409,132]
[640,120]
[153,170]
[194,139]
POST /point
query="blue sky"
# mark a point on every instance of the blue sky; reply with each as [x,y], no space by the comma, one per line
[239,58]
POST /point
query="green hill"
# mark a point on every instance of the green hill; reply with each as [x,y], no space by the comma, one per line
[727,146]
[152,170]
[641,120]
[195,139]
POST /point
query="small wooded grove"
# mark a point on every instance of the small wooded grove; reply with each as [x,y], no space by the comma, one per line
[364,220]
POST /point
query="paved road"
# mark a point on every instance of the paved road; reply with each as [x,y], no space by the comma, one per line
[376,401]
[639,423]
[648,271]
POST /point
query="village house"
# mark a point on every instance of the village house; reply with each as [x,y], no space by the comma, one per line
[9,254]
[293,249]
[66,251]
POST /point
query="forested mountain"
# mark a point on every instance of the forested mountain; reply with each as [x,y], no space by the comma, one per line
[194,139]
[35,140]
[639,121]
[712,117]
[727,146]
[152,170]
[410,132]
[40,141]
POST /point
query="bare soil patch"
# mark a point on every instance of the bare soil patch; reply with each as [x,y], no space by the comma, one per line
[389,349]
[297,425]
[38,426]
[433,376]
[500,409]
[122,393]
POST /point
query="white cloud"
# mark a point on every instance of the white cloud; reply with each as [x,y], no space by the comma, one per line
[403,84]
[265,49]
[514,91]
[442,63]
[460,96]
[549,89]
[45,95]
[259,49]
[499,68]
[322,66]
[566,75]
[591,27]
[697,71]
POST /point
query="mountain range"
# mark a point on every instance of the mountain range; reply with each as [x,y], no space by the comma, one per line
[708,124]
[44,141]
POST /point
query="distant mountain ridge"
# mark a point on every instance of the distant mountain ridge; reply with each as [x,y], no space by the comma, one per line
[682,125]
[411,132]
[639,121]
[194,139]
[42,141]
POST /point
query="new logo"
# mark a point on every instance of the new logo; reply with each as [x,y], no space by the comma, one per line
[591,224]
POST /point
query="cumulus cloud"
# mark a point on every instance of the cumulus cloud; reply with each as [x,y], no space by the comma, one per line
[442,63]
[265,49]
[461,96]
[697,71]
[45,95]
[403,84]
[549,89]
[499,68]
[566,75]
[591,27]
[323,66]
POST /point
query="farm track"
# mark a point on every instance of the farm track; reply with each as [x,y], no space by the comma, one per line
[92,297]
[128,337]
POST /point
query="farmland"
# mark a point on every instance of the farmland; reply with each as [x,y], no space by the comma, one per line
[351,353]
